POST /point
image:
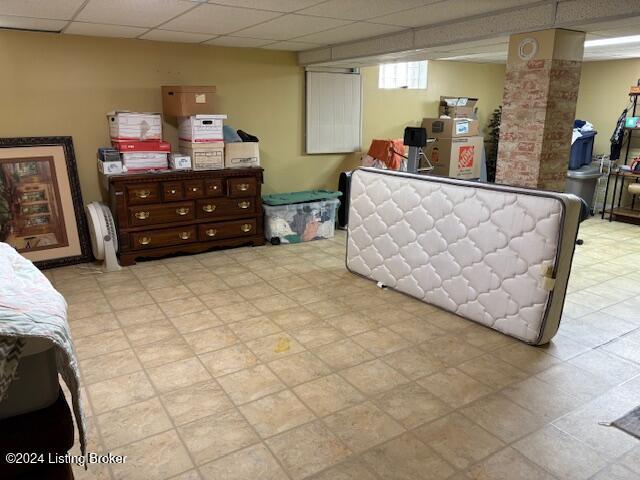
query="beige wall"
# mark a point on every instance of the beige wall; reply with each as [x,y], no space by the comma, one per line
[604,92]
[64,85]
[387,112]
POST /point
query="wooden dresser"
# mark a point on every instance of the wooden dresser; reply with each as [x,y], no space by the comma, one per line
[159,214]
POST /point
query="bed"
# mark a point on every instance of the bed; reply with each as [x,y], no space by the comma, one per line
[496,255]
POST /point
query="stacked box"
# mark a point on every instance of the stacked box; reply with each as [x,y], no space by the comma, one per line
[457,151]
[204,156]
[201,137]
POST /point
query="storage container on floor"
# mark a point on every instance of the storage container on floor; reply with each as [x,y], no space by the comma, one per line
[582,150]
[582,182]
[303,221]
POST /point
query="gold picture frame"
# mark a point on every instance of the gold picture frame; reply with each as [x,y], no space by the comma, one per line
[41,208]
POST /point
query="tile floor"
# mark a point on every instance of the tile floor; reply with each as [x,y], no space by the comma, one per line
[276,363]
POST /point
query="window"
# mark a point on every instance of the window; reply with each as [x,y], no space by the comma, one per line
[403,75]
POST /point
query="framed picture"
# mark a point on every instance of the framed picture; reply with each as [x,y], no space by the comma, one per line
[41,208]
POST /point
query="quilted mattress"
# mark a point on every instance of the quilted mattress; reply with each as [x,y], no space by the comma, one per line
[497,255]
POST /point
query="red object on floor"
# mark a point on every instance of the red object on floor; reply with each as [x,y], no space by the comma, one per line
[388,151]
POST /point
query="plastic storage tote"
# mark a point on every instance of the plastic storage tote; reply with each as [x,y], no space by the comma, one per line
[582,150]
[300,222]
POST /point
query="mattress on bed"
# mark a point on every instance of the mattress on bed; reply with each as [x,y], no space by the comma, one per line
[497,255]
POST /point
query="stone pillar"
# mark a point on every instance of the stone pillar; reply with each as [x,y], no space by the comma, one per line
[539,106]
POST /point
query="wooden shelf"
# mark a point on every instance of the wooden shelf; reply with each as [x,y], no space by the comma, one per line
[626,213]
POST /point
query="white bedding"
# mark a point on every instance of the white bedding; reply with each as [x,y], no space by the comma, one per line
[496,255]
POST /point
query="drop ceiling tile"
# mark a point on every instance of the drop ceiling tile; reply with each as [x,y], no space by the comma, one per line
[51,9]
[446,10]
[136,13]
[499,47]
[24,23]
[285,6]
[103,30]
[291,26]
[171,36]
[226,41]
[347,33]
[293,46]
[216,19]
[361,9]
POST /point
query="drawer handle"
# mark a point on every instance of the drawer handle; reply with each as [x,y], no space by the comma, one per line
[246,227]
[182,211]
[142,215]
[209,207]
[144,240]
[244,205]
[173,191]
[185,235]
[195,189]
[211,232]
[215,187]
[243,187]
[143,193]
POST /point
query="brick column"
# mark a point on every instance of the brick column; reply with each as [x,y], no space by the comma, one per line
[539,106]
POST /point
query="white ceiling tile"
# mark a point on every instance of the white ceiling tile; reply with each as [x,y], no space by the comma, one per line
[216,19]
[171,36]
[103,30]
[51,9]
[361,9]
[447,10]
[290,26]
[347,33]
[226,41]
[137,13]
[285,6]
[24,23]
[293,46]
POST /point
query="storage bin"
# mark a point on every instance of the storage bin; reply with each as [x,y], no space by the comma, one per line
[582,150]
[300,222]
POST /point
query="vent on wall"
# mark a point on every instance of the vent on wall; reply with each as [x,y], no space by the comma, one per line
[333,110]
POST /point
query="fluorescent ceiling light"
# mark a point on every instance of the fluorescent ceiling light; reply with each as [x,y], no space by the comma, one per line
[612,41]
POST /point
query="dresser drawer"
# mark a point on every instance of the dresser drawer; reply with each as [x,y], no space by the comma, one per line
[224,207]
[194,189]
[157,214]
[215,231]
[213,187]
[163,238]
[172,191]
[143,193]
[241,187]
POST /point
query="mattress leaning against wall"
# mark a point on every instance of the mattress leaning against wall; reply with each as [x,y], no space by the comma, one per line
[497,255]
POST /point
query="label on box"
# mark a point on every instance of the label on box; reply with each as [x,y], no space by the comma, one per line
[462,102]
[201,98]
[465,158]
[462,128]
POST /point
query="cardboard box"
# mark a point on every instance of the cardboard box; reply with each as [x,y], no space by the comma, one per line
[179,161]
[457,107]
[141,146]
[204,156]
[201,128]
[111,167]
[134,126]
[450,127]
[187,100]
[242,154]
[456,157]
[144,161]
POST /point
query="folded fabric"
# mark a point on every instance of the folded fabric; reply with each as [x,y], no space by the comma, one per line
[230,135]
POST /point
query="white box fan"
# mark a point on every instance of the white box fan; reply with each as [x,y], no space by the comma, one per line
[104,239]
